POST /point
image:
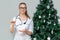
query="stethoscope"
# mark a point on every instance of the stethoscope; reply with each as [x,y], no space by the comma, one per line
[17,17]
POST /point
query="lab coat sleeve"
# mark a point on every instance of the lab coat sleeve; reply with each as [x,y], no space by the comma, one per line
[31,26]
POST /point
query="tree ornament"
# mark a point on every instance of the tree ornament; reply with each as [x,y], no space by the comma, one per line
[49,22]
[52,32]
[48,38]
[49,14]
[43,16]
[38,28]
[39,17]
[44,21]
[34,39]
[48,6]
[54,24]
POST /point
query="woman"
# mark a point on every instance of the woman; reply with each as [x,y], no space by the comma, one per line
[22,24]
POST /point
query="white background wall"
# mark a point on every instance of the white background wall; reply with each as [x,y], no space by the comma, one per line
[9,9]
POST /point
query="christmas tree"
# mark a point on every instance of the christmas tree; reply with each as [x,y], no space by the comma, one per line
[45,21]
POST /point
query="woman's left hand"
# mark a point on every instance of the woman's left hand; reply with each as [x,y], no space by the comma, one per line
[26,31]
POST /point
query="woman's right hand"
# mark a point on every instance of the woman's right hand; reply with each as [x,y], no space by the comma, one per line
[12,22]
[12,26]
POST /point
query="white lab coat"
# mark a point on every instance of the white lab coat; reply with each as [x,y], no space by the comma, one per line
[19,26]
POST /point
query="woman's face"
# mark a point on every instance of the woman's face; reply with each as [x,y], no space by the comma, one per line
[22,9]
